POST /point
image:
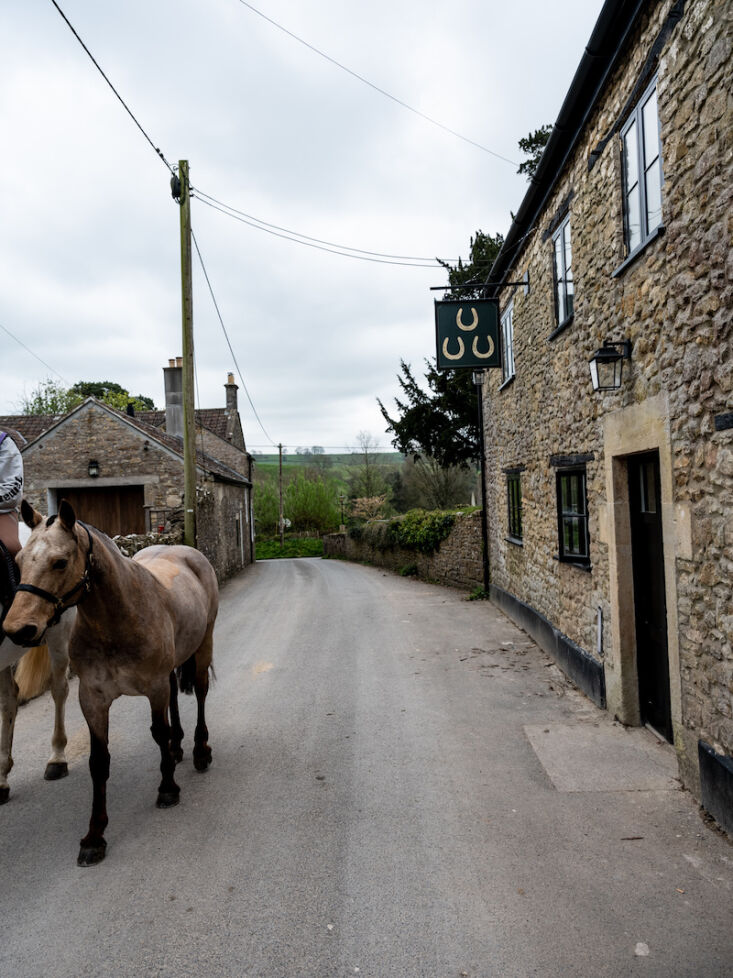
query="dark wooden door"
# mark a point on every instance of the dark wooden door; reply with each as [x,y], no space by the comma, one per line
[649,594]
[112,509]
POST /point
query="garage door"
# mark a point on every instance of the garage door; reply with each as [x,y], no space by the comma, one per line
[112,509]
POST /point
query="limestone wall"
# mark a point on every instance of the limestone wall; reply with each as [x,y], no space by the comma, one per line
[457,562]
[674,303]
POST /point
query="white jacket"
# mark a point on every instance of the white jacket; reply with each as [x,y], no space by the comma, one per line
[11,475]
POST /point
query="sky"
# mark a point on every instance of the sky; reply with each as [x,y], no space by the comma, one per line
[90,282]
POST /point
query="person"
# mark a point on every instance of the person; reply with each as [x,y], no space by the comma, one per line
[11,493]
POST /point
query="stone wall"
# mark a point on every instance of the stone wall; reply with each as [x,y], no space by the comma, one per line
[223,527]
[457,562]
[674,303]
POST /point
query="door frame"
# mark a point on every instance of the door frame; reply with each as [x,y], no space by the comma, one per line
[640,428]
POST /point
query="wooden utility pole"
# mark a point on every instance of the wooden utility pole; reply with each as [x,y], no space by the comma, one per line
[189,428]
[282,523]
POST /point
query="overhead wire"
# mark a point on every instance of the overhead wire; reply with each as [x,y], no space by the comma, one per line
[226,336]
[297,234]
[376,88]
[28,349]
[122,101]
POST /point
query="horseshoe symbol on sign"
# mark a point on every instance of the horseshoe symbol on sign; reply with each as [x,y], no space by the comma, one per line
[459,322]
[489,348]
[454,356]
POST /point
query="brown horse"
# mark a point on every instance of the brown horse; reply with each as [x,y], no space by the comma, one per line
[138,620]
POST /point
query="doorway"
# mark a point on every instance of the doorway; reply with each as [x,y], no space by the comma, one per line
[650,606]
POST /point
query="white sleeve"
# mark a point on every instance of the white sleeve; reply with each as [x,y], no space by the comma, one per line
[11,476]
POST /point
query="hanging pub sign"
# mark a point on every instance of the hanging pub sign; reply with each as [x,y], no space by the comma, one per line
[467,333]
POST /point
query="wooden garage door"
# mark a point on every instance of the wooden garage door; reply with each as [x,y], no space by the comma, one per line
[112,509]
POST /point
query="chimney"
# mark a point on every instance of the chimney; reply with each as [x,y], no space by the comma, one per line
[231,390]
[173,381]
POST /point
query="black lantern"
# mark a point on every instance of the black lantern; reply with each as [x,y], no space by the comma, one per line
[93,469]
[607,364]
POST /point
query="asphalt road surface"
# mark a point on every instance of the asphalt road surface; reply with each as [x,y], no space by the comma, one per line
[403,785]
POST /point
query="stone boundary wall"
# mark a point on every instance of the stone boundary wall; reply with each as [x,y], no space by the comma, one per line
[457,562]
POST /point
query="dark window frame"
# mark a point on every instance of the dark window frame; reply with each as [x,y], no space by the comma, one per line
[514,506]
[643,168]
[563,276]
[574,520]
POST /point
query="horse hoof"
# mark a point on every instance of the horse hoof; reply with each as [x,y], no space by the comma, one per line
[91,855]
[4,795]
[202,761]
[167,799]
[55,770]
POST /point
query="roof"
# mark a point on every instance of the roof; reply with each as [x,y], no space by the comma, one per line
[613,28]
[213,419]
[207,463]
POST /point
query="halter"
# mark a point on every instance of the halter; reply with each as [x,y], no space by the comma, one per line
[59,604]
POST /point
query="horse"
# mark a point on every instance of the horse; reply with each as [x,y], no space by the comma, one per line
[57,643]
[140,622]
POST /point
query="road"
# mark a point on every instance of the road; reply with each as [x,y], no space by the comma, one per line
[403,786]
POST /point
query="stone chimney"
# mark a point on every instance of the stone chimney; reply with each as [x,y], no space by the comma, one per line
[173,380]
[231,390]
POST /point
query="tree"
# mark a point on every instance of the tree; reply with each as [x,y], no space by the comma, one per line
[366,480]
[442,422]
[51,398]
[533,145]
[311,504]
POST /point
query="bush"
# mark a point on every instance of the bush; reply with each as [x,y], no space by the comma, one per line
[303,547]
[417,530]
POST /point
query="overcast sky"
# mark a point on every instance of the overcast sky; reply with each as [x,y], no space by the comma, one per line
[89,234]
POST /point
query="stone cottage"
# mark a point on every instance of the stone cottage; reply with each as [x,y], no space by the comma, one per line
[609,427]
[123,473]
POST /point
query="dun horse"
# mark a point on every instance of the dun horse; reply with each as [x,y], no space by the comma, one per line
[138,620]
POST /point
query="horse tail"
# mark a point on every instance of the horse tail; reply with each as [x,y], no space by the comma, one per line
[187,675]
[33,673]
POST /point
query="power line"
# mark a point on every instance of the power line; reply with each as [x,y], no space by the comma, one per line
[226,336]
[312,244]
[122,101]
[376,88]
[20,343]
[307,237]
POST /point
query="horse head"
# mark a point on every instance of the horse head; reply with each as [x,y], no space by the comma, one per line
[54,572]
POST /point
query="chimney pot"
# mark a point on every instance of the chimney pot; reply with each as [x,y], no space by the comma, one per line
[230,378]
[171,362]
[179,361]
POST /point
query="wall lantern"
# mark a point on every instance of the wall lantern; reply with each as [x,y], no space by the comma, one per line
[607,364]
[93,469]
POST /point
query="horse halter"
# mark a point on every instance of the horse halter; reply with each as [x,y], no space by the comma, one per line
[59,604]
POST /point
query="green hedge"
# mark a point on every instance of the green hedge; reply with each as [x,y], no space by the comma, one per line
[417,530]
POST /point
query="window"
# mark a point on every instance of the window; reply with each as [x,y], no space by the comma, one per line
[572,516]
[514,504]
[507,343]
[562,262]
[642,172]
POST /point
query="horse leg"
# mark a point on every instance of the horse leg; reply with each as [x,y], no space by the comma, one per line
[57,766]
[168,790]
[176,728]
[95,707]
[8,712]
[201,749]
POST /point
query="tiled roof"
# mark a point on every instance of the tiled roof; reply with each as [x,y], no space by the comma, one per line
[30,426]
[213,419]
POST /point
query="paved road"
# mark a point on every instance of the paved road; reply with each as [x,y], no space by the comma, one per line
[402,786]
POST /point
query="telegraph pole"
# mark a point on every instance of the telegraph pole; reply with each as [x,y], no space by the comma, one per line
[189,430]
[282,524]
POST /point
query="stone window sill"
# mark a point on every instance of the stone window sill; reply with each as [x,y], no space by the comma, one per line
[584,565]
[658,232]
[515,541]
[507,382]
[562,327]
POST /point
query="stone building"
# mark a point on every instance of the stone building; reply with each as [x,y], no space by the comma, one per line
[611,509]
[123,473]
